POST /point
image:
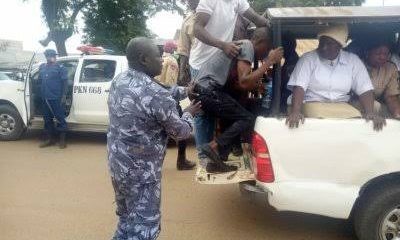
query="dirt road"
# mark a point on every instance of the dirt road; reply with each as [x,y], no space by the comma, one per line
[66,195]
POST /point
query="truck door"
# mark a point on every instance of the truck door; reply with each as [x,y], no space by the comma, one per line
[71,66]
[91,89]
[29,105]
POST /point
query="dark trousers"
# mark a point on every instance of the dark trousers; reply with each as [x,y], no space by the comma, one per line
[181,144]
[223,106]
[253,106]
[53,109]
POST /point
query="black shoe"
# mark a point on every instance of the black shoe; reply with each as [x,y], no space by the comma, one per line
[185,165]
[216,164]
[210,153]
[237,150]
[62,144]
[224,154]
[220,168]
[47,143]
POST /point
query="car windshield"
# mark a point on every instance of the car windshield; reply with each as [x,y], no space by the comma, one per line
[4,76]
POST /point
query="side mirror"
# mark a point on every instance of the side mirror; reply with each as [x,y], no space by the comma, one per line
[19,76]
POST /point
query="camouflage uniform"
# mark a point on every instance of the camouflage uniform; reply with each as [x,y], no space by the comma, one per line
[142,116]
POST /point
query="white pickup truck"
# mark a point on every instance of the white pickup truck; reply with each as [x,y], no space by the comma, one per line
[338,168]
[89,80]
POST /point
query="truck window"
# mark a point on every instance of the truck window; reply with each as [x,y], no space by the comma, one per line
[35,77]
[97,71]
[4,76]
[71,66]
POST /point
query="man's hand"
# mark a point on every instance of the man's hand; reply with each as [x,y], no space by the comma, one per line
[190,91]
[231,49]
[275,55]
[377,121]
[293,120]
[260,87]
[193,108]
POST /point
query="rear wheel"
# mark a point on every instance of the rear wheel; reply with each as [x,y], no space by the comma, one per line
[378,215]
[390,224]
[11,125]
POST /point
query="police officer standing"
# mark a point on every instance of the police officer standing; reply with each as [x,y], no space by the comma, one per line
[54,78]
[142,115]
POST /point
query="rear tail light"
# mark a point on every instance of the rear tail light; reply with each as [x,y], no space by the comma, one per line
[263,165]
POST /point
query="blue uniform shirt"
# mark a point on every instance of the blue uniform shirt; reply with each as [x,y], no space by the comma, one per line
[142,115]
[53,77]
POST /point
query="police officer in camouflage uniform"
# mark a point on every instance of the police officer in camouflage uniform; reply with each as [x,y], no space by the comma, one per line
[142,116]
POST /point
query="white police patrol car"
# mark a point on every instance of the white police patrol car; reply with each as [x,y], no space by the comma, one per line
[89,80]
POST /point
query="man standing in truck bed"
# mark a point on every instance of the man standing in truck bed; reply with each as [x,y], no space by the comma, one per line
[214,29]
[210,85]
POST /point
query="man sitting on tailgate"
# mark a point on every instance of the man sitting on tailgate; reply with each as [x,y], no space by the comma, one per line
[209,87]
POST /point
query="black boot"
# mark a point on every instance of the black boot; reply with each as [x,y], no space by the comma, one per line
[62,144]
[182,163]
[216,165]
[185,164]
[224,154]
[220,168]
[48,141]
[237,150]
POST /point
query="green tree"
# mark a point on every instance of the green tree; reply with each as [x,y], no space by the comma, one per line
[168,5]
[112,24]
[262,5]
[60,17]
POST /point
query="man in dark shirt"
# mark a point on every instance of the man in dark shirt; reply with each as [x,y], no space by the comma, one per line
[54,78]
[210,83]
[291,58]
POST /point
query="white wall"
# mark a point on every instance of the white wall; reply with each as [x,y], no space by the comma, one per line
[12,54]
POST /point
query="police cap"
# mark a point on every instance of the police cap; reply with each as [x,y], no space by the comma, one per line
[50,53]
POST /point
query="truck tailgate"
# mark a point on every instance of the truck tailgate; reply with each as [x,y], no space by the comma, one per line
[321,166]
[244,172]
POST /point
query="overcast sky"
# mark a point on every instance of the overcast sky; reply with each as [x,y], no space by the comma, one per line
[23,22]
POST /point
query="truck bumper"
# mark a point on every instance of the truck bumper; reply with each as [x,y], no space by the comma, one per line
[250,191]
[250,186]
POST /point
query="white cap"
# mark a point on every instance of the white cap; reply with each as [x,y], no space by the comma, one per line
[338,32]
